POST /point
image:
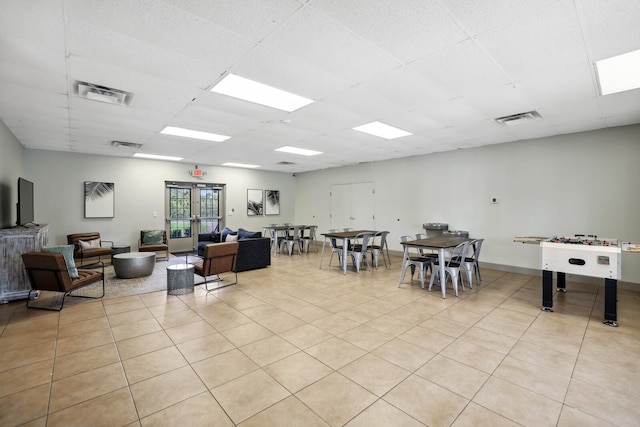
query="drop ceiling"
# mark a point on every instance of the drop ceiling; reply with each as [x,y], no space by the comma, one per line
[441,69]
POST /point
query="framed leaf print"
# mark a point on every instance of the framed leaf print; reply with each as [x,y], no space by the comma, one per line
[254,202]
[99,199]
[272,202]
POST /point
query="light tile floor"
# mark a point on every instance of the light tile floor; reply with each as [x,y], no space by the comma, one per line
[297,345]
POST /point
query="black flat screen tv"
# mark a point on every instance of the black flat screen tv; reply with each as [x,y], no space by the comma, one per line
[25,202]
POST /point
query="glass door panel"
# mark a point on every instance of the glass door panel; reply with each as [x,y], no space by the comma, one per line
[191,209]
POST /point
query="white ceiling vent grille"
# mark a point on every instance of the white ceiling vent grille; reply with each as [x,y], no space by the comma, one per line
[516,119]
[99,93]
[122,144]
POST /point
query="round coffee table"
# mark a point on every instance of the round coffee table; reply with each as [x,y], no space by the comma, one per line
[134,264]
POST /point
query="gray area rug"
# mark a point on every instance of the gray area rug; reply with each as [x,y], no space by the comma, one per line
[116,287]
[157,281]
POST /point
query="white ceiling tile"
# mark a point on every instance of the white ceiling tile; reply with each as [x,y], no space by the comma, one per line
[113,49]
[407,87]
[405,29]
[165,27]
[254,19]
[547,40]
[366,102]
[285,72]
[479,16]
[612,29]
[462,68]
[325,116]
[317,40]
[38,21]
[577,82]
[499,101]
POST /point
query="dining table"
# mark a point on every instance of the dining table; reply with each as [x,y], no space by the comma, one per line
[275,231]
[346,237]
[439,243]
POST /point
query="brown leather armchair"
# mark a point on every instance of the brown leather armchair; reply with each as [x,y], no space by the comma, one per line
[218,258]
[48,272]
[153,247]
[89,245]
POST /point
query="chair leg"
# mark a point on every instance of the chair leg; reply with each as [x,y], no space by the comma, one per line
[404,271]
[455,276]
[219,279]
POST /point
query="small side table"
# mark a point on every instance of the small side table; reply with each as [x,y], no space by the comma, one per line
[180,278]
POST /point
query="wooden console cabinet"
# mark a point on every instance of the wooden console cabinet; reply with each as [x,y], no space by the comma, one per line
[14,283]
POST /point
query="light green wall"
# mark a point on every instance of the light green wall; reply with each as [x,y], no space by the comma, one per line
[11,168]
[578,183]
[139,192]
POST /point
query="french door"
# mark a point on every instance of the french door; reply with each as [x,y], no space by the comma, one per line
[191,209]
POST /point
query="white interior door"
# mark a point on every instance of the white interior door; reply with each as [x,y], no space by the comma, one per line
[352,206]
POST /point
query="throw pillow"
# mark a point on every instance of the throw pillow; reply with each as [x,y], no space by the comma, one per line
[67,252]
[246,234]
[152,237]
[226,231]
[89,244]
[231,238]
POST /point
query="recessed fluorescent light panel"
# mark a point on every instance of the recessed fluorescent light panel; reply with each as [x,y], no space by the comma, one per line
[157,157]
[382,130]
[300,151]
[240,165]
[619,73]
[195,134]
[248,90]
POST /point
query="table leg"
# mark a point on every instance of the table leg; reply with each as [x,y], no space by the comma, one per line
[405,264]
[561,284]
[322,254]
[610,302]
[547,292]
[275,242]
[443,277]
[345,248]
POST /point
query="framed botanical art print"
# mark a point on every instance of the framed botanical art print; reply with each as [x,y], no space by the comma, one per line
[272,202]
[254,202]
[99,199]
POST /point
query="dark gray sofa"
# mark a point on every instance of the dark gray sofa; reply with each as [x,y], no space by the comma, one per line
[253,252]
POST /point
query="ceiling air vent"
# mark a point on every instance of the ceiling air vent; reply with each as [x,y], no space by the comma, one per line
[99,93]
[122,144]
[286,163]
[516,119]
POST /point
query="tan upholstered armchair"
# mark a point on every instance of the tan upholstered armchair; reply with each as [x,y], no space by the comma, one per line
[218,258]
[153,241]
[48,272]
[89,245]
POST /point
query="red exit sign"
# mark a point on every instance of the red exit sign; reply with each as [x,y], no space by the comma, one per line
[197,172]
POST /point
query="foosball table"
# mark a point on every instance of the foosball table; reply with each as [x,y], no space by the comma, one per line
[585,255]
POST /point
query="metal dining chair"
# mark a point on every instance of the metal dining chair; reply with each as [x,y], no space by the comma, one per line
[292,239]
[378,247]
[419,262]
[310,238]
[360,250]
[424,252]
[452,268]
[335,248]
[470,263]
